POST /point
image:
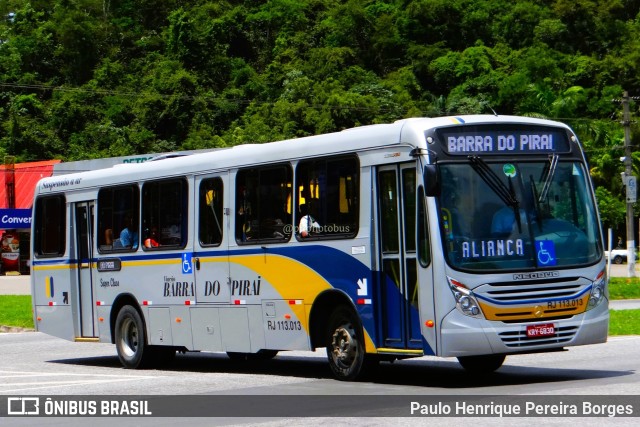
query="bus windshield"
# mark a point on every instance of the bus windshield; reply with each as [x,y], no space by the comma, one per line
[505,215]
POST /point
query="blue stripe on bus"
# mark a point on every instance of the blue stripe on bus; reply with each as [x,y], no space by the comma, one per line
[341,270]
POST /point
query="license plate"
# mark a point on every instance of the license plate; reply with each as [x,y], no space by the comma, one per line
[534,331]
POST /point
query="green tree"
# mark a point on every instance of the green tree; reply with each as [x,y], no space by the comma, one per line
[612,209]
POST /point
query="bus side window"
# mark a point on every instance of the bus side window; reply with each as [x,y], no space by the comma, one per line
[118,209]
[328,191]
[210,215]
[263,204]
[50,226]
[164,208]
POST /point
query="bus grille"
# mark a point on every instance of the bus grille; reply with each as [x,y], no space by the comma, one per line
[509,292]
[519,339]
[534,300]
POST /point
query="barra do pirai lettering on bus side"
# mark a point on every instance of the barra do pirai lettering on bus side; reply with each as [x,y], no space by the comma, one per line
[245,287]
[175,288]
[212,288]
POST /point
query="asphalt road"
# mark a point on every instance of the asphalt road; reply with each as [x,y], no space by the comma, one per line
[36,364]
[45,364]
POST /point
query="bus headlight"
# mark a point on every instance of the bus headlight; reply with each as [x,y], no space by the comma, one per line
[466,302]
[597,291]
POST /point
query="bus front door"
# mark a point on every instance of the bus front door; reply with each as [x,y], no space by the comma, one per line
[397,257]
[84,213]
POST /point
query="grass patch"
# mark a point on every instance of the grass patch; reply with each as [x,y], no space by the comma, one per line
[15,310]
[624,322]
[624,288]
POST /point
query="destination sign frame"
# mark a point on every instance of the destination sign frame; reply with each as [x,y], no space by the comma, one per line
[503,140]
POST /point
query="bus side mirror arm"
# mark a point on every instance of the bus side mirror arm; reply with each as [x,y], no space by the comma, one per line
[431,181]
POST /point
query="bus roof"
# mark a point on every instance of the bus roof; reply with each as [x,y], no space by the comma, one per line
[350,140]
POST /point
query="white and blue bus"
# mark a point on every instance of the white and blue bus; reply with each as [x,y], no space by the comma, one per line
[473,237]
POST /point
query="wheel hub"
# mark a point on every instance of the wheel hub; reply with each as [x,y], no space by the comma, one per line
[130,337]
[343,346]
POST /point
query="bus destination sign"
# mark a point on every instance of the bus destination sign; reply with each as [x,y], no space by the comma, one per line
[477,140]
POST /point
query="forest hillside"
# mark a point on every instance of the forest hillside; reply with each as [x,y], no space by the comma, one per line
[84,79]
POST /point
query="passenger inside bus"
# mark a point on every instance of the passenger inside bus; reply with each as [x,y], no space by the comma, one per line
[504,221]
[308,224]
[152,239]
[108,237]
[129,234]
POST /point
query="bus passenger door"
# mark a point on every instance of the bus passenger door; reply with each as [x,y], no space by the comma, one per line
[84,232]
[211,248]
[397,257]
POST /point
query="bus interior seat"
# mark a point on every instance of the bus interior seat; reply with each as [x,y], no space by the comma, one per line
[108,236]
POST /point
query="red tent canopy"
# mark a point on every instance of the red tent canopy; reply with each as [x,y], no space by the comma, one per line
[26,176]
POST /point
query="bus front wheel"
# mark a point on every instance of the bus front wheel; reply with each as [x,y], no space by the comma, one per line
[345,345]
[133,351]
[482,364]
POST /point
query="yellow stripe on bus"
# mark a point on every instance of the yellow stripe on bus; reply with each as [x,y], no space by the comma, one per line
[270,268]
[152,262]
[299,282]
[544,310]
[54,267]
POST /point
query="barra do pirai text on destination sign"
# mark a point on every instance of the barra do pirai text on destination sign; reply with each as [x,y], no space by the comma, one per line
[489,143]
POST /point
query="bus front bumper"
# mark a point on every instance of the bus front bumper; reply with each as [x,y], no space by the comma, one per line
[467,336]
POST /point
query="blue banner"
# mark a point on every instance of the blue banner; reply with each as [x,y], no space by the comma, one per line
[15,218]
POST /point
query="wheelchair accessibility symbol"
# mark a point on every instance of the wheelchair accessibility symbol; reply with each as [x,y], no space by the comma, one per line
[546,252]
[186,264]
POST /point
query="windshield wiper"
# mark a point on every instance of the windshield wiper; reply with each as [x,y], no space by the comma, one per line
[536,202]
[506,194]
[549,172]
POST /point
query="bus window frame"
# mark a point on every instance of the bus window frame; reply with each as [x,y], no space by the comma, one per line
[134,211]
[239,230]
[202,202]
[356,199]
[39,227]
[184,213]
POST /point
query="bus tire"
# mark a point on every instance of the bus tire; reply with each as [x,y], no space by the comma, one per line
[345,345]
[482,364]
[131,345]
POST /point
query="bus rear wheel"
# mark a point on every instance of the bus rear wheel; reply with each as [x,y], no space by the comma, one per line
[131,345]
[482,364]
[345,345]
